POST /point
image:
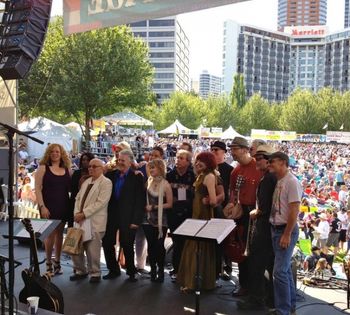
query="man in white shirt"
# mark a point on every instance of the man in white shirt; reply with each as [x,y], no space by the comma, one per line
[323,229]
[284,231]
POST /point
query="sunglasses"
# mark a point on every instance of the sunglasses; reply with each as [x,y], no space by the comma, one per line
[214,149]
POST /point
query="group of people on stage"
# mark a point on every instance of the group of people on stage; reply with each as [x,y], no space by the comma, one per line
[142,201]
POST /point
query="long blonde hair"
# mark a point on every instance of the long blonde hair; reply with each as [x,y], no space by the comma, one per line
[64,162]
[158,164]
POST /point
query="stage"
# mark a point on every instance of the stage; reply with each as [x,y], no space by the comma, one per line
[143,297]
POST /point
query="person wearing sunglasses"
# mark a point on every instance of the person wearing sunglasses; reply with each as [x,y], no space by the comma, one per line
[284,231]
[91,204]
[260,244]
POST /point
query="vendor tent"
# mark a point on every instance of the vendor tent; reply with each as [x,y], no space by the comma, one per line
[47,131]
[127,119]
[176,128]
[230,133]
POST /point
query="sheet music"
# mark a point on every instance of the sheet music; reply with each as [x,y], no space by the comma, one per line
[217,229]
[38,226]
[190,227]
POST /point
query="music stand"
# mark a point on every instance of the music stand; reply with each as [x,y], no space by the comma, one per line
[10,133]
[42,229]
[214,230]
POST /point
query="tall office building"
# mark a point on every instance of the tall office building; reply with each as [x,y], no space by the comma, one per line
[347,14]
[301,12]
[209,85]
[274,64]
[168,53]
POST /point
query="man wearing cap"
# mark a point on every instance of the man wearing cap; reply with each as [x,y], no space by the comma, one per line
[260,244]
[245,178]
[311,260]
[254,146]
[218,148]
[323,229]
[284,232]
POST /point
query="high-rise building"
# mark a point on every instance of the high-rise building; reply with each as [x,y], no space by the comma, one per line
[274,64]
[301,12]
[168,53]
[347,14]
[209,85]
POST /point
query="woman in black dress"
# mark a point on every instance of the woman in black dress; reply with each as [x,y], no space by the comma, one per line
[52,187]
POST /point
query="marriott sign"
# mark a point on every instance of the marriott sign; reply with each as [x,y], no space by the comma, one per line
[306,31]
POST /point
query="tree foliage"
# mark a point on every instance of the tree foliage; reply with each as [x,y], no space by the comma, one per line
[87,75]
[238,95]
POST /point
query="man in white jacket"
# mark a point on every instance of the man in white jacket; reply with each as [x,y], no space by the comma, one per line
[90,213]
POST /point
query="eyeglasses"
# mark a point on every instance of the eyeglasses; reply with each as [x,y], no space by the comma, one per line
[94,166]
[260,158]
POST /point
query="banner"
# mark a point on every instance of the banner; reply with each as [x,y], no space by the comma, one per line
[6,92]
[338,136]
[273,135]
[85,15]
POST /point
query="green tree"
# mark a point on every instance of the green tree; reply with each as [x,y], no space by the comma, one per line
[302,113]
[256,114]
[188,109]
[220,112]
[87,75]
[238,93]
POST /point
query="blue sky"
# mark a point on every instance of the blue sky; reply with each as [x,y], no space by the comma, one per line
[204,28]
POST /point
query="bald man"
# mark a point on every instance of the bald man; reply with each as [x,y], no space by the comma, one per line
[91,208]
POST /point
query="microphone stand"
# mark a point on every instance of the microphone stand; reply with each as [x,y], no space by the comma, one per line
[10,133]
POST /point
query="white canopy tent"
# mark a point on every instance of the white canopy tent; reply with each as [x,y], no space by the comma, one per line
[127,119]
[230,133]
[47,131]
[175,128]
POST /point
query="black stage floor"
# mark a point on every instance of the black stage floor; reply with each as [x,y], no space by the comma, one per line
[143,297]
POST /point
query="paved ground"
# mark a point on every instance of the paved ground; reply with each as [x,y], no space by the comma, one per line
[124,298]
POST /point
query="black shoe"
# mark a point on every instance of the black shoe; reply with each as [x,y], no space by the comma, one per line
[78,276]
[95,279]
[132,278]
[160,278]
[111,275]
[172,272]
[153,275]
[142,271]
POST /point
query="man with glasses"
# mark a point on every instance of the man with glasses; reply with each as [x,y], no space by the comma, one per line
[284,231]
[260,244]
[246,170]
[91,204]
[125,213]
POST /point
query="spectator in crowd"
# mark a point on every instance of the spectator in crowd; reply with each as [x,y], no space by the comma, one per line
[52,187]
[323,229]
[311,260]
[254,146]
[159,200]
[125,213]
[343,217]
[333,236]
[284,231]
[91,204]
